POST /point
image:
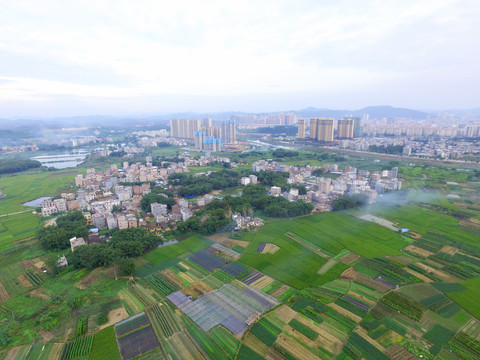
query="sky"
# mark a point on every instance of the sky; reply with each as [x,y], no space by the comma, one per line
[114,57]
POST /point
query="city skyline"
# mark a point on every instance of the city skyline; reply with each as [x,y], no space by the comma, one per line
[113,58]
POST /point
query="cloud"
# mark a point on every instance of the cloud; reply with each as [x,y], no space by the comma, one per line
[127,49]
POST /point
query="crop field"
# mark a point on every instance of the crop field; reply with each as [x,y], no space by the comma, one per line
[135,336]
[468,298]
[82,346]
[207,260]
[184,347]
[14,228]
[105,345]
[163,320]
[218,343]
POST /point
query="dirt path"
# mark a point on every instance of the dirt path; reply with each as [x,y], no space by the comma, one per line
[311,248]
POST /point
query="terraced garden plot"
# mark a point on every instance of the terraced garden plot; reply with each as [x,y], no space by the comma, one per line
[163,320]
[162,283]
[135,336]
[81,346]
[228,306]
[472,328]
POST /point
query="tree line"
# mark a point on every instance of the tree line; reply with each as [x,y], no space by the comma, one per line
[11,166]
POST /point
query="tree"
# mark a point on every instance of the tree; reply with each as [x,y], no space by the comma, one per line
[127,266]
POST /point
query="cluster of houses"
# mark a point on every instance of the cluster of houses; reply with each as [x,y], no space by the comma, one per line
[321,191]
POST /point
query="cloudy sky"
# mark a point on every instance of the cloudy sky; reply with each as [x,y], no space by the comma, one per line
[139,57]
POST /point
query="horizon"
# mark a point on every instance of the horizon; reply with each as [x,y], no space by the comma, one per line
[111,59]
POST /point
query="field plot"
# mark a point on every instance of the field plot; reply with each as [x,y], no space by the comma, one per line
[267,248]
[228,306]
[163,284]
[81,346]
[207,260]
[233,269]
[190,245]
[184,347]
[218,343]
[468,298]
[422,221]
[105,345]
[135,336]
[296,265]
[163,320]
[224,250]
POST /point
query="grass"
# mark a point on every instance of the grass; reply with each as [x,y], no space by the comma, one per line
[105,345]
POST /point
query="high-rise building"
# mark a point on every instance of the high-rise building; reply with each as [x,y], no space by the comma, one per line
[345,128]
[229,132]
[206,123]
[357,127]
[301,129]
[184,128]
[290,119]
[199,139]
[313,128]
[324,129]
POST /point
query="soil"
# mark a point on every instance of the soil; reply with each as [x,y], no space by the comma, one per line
[286,313]
[345,312]
[349,258]
[349,274]
[4,296]
[416,250]
[447,249]
[23,280]
[38,293]
[197,289]
[280,291]
[89,279]
[226,241]
[440,274]
[115,316]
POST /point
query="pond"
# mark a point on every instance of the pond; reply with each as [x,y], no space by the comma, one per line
[36,202]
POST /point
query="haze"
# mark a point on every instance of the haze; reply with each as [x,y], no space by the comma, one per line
[79,58]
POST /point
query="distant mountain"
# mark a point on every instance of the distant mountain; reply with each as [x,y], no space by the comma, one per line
[374,112]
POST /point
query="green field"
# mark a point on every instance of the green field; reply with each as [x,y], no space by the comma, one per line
[17,227]
[105,345]
[297,266]
[468,298]
[422,221]
[31,185]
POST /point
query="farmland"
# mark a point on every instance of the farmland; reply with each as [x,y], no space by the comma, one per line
[325,286]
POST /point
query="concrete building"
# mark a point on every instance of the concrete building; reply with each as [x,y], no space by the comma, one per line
[313,129]
[275,190]
[245,180]
[158,209]
[229,132]
[99,221]
[324,127]
[253,179]
[61,205]
[122,222]
[186,213]
[184,128]
[111,222]
[345,128]
[76,242]
[301,129]
[79,180]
